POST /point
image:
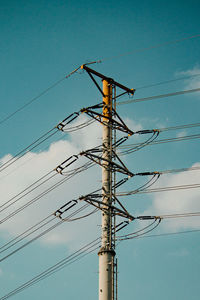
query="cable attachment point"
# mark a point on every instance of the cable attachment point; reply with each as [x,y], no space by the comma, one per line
[66,163]
[149,218]
[156,130]
[120,226]
[147,173]
[120,141]
[83,110]
[58,213]
[119,183]
[146,131]
[67,120]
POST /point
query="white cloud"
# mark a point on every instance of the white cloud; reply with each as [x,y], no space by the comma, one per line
[177,202]
[134,126]
[192,82]
[179,253]
[181,133]
[33,166]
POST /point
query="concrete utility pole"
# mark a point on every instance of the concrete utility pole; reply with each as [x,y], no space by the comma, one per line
[106,253]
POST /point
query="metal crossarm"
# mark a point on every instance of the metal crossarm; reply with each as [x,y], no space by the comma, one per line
[101,161]
[110,80]
[121,126]
[104,207]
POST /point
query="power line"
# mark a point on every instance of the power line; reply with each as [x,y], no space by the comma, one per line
[59,265]
[9,116]
[27,190]
[162,189]
[154,224]
[133,147]
[151,47]
[166,81]
[158,96]
[183,215]
[62,126]
[179,170]
[97,61]
[25,234]
[168,234]
[109,166]
[178,127]
[73,257]
[141,232]
[168,216]
[69,218]
[27,149]
[56,267]
[45,192]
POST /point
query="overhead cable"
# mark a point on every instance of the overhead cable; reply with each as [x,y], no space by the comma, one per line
[169,234]
[151,47]
[59,127]
[9,116]
[167,81]
[20,195]
[97,61]
[161,189]
[130,148]
[56,267]
[180,215]
[140,232]
[158,96]
[16,240]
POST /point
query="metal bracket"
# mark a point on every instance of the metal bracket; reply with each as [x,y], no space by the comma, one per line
[118,125]
[110,80]
[105,207]
[99,160]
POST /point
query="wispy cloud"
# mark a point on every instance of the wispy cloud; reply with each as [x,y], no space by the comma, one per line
[181,133]
[193,81]
[177,202]
[179,253]
[33,166]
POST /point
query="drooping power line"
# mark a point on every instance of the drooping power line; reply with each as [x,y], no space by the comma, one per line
[158,96]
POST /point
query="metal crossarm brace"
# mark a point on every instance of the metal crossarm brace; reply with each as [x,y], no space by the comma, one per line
[110,80]
[98,159]
[101,205]
[116,125]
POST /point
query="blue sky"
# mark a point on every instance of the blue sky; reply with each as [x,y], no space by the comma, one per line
[42,42]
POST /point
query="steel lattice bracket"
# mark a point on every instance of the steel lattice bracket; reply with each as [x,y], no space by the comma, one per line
[112,165]
[92,199]
[117,124]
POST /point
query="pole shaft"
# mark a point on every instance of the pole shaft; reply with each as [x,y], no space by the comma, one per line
[106,253]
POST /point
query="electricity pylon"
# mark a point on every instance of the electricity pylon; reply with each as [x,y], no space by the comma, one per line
[109,165]
[107,157]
